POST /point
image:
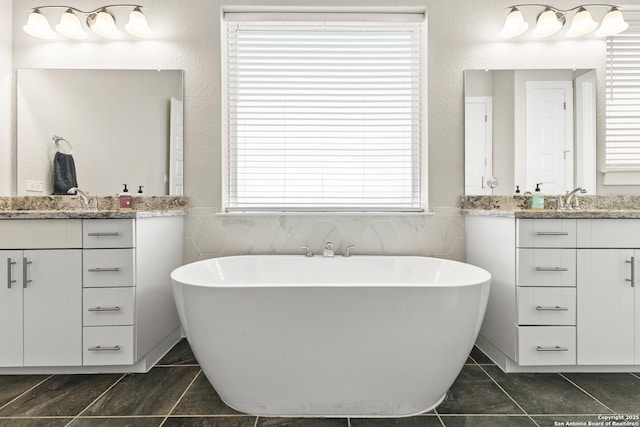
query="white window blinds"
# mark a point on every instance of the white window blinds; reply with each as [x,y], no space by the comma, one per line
[324,116]
[623,99]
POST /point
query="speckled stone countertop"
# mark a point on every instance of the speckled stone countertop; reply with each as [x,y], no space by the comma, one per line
[614,207]
[61,207]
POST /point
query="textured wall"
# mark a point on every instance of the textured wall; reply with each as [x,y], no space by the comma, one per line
[462,35]
[6,146]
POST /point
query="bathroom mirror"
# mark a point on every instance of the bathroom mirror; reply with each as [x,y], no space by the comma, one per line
[121,126]
[524,127]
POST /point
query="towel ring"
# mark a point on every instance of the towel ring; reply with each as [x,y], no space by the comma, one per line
[56,140]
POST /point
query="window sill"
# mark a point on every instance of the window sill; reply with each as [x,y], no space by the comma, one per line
[621,177]
[318,213]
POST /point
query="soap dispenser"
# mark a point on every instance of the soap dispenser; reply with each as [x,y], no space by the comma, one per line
[125,199]
[537,199]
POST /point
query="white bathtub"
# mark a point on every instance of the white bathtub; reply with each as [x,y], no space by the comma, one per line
[366,336]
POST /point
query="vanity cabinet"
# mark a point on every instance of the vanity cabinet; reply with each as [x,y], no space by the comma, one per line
[568,302]
[87,295]
[40,293]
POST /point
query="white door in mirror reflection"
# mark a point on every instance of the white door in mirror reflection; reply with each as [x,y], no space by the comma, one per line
[549,136]
[478,147]
[176,148]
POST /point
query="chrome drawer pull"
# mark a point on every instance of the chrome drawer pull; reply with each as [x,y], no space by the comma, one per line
[555,348]
[9,279]
[632,261]
[105,348]
[552,308]
[551,269]
[25,279]
[552,233]
[102,270]
[104,234]
[115,308]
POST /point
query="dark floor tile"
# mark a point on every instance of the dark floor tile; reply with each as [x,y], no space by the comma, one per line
[302,422]
[180,354]
[474,392]
[34,422]
[153,393]
[546,393]
[488,421]
[568,420]
[417,421]
[480,357]
[12,386]
[620,392]
[60,395]
[202,399]
[117,422]
[230,421]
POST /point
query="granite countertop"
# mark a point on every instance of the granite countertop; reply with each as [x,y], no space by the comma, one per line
[556,214]
[614,207]
[65,207]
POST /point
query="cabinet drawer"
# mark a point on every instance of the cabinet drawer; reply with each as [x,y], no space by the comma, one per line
[546,306]
[546,267]
[108,267]
[546,345]
[40,234]
[108,306]
[546,233]
[608,233]
[108,233]
[108,345]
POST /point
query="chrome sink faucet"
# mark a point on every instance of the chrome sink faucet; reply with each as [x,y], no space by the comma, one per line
[86,201]
[571,198]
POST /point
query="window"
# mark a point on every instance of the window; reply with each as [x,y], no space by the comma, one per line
[324,114]
[623,100]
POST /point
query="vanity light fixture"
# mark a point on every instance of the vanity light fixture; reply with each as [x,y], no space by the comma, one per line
[100,21]
[551,19]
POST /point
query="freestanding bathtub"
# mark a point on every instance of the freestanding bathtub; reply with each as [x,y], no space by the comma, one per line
[365,336]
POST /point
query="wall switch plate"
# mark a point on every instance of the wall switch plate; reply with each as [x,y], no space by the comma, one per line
[35,186]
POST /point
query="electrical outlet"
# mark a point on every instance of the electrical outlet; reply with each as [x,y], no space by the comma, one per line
[35,186]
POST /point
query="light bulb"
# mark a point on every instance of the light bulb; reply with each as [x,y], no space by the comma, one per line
[514,25]
[104,25]
[70,26]
[548,23]
[612,24]
[38,26]
[582,23]
[137,24]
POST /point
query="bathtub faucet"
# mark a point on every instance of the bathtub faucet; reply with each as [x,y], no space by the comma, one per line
[328,250]
[307,251]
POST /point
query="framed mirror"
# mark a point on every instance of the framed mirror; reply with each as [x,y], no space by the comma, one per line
[524,127]
[119,126]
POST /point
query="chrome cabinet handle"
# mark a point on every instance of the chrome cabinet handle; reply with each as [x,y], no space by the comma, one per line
[551,269]
[632,261]
[25,280]
[114,308]
[552,233]
[104,234]
[104,348]
[10,280]
[102,270]
[551,308]
[554,348]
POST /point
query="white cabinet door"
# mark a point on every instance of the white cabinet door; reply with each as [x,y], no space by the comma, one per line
[605,307]
[11,308]
[53,308]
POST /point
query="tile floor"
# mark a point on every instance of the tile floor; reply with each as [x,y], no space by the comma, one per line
[175,393]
